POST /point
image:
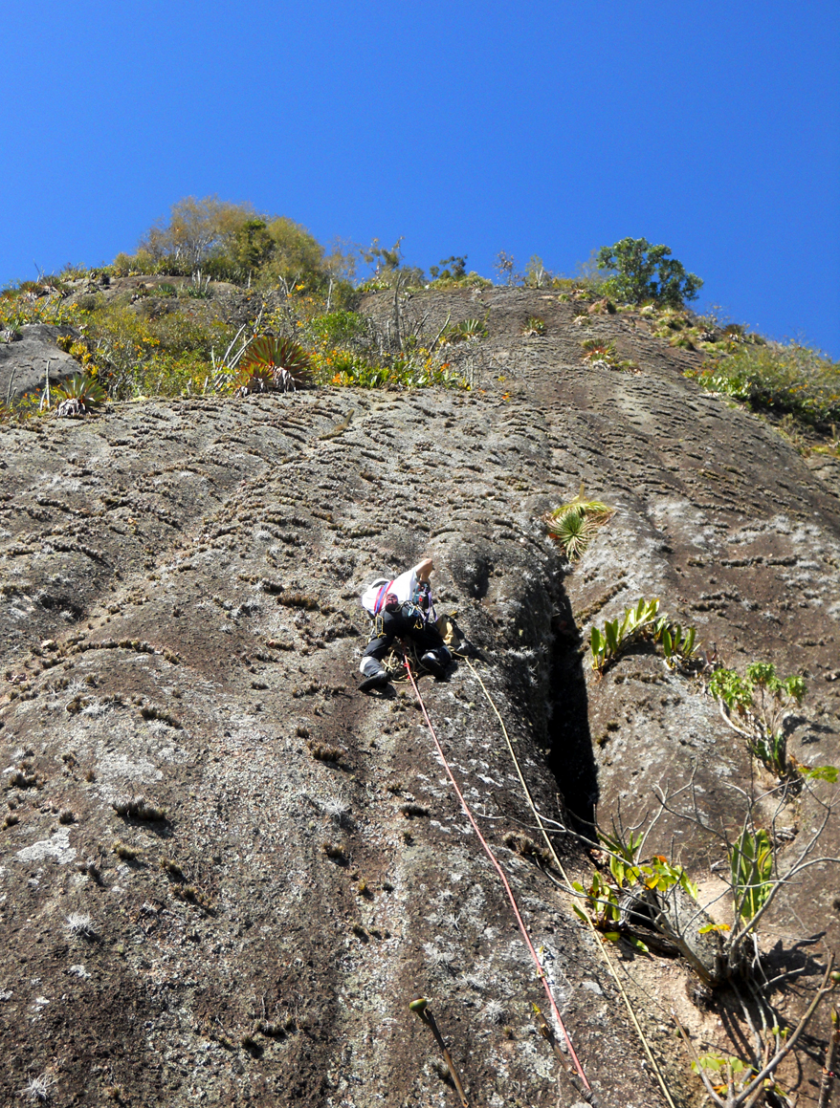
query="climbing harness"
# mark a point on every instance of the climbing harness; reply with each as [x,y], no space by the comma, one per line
[571,891]
[587,1089]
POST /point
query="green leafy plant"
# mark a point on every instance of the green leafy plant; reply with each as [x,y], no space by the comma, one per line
[756,706]
[640,271]
[629,875]
[678,646]
[594,350]
[644,622]
[618,634]
[776,377]
[418,368]
[727,1076]
[340,328]
[573,531]
[751,866]
[601,905]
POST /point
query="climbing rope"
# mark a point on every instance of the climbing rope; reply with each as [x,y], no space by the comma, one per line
[522,927]
[571,891]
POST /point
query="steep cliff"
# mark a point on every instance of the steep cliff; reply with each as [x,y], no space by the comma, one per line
[179,623]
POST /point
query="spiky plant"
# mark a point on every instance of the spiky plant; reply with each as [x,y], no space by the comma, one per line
[598,351]
[471,329]
[533,326]
[285,361]
[79,394]
[595,510]
[573,531]
[253,379]
[574,524]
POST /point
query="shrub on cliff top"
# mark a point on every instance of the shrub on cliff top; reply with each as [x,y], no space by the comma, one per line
[640,272]
[782,377]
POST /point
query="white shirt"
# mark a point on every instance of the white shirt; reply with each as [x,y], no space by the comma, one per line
[403,586]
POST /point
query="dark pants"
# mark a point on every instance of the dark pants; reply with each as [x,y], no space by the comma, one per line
[402,625]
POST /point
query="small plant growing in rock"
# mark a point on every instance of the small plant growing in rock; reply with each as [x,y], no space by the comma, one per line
[756,706]
[603,355]
[281,362]
[40,1089]
[610,903]
[80,924]
[127,853]
[533,327]
[466,331]
[595,351]
[448,1072]
[617,634]
[643,622]
[678,646]
[323,753]
[414,811]
[79,395]
[138,808]
[573,525]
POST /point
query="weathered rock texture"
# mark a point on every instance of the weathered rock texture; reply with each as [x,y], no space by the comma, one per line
[179,622]
[31,359]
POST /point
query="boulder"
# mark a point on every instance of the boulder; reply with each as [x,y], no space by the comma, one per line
[24,363]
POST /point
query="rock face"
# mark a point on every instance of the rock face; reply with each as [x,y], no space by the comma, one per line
[224,874]
[24,363]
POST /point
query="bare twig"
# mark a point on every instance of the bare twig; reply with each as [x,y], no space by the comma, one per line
[749,1093]
[421,1010]
[440,332]
[397,310]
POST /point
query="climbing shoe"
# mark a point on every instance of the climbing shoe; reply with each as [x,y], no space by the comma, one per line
[377,681]
[431,662]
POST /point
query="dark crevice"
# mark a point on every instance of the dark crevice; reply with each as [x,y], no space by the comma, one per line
[571,759]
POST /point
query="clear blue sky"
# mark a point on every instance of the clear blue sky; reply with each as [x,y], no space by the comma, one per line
[545,127]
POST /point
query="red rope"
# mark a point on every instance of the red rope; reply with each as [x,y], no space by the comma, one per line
[508,890]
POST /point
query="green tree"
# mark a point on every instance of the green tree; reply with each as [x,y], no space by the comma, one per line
[233,242]
[640,272]
[454,268]
[295,255]
[388,269]
[252,246]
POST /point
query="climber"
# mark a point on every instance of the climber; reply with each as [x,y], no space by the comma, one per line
[402,609]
